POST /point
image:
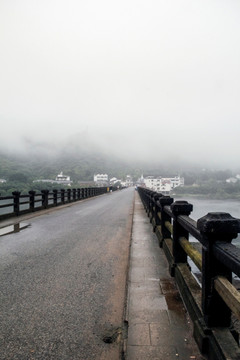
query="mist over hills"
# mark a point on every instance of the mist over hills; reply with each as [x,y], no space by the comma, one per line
[157,91]
[81,156]
[80,164]
[46,160]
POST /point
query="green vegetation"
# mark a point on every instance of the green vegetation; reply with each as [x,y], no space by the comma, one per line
[210,184]
[20,172]
[211,189]
[7,188]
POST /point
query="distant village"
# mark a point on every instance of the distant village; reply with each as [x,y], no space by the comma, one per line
[159,184]
[98,180]
[164,185]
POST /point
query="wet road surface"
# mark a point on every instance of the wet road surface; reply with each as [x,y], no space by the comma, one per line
[63,280]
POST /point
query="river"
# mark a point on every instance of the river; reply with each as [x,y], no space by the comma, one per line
[202,206]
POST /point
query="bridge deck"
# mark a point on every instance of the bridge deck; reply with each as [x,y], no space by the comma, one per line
[159,327]
[158,324]
[63,280]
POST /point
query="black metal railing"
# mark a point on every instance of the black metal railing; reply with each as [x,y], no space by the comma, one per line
[213,302]
[18,204]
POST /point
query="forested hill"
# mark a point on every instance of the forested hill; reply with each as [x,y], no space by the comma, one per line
[21,171]
[78,166]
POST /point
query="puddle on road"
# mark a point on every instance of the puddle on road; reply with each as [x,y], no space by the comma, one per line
[13,228]
[172,296]
[115,335]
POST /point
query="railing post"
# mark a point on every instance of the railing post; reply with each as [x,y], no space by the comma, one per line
[152,205]
[215,227]
[62,196]
[69,195]
[155,219]
[165,233]
[148,201]
[45,198]
[179,255]
[74,194]
[16,202]
[55,194]
[144,197]
[78,194]
[31,199]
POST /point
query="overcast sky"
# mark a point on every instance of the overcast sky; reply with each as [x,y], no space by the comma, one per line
[158,79]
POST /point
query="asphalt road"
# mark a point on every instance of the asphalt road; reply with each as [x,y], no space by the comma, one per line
[63,279]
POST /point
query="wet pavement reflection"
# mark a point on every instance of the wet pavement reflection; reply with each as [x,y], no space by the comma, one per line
[15,228]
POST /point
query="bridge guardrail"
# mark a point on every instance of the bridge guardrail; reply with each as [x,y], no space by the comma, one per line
[18,204]
[214,302]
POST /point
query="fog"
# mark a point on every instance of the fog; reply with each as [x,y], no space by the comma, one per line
[145,80]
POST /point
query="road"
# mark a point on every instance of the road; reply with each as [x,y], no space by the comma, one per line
[63,281]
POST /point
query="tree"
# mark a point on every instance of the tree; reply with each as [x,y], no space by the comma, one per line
[19,177]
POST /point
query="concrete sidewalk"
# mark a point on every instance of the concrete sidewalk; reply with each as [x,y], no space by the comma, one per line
[159,327]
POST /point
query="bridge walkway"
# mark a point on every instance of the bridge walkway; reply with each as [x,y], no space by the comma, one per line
[159,327]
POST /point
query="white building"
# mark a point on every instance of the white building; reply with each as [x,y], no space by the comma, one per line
[100,178]
[175,181]
[153,183]
[63,178]
[60,179]
[114,180]
[232,180]
[163,185]
[128,181]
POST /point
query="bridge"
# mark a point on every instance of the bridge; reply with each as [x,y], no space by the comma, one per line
[93,274]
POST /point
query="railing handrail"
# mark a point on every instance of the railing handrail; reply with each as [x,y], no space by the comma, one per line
[218,260]
[47,199]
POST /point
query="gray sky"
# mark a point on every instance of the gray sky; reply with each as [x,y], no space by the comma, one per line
[158,79]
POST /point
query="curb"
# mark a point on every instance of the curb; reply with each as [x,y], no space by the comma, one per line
[127,293]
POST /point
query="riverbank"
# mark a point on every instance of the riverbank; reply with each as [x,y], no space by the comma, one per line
[235,197]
